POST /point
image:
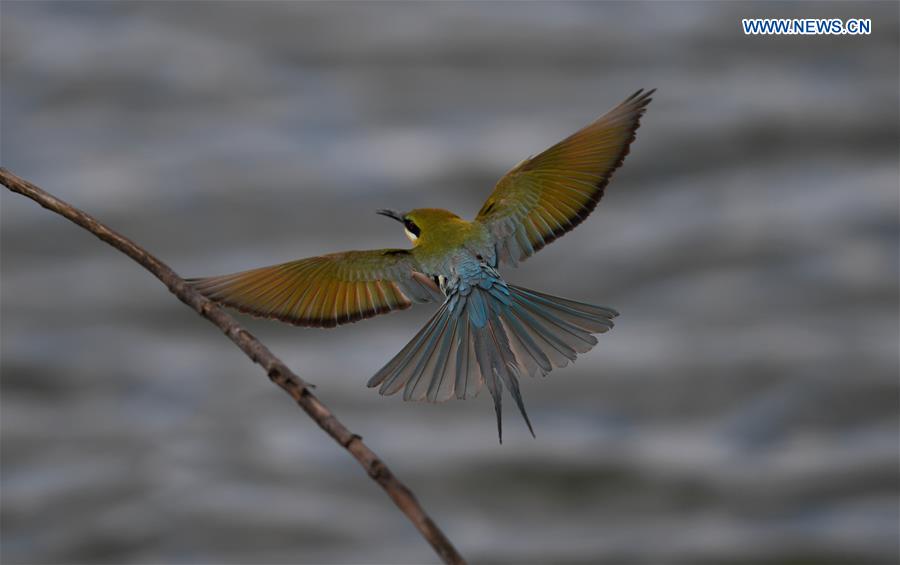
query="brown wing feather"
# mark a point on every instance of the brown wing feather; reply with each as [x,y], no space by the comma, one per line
[325,291]
[549,194]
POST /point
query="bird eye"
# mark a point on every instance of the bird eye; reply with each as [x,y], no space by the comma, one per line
[412,227]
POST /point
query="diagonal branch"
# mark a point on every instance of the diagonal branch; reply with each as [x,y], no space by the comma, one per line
[278,372]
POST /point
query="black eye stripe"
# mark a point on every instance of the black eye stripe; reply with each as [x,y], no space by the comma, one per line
[412,227]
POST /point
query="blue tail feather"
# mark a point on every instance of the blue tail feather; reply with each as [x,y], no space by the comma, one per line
[489,332]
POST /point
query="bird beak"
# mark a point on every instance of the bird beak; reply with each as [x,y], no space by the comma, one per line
[391,214]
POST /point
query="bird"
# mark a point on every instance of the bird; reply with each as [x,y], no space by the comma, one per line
[487,331]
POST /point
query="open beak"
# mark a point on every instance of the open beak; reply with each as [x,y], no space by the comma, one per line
[391,214]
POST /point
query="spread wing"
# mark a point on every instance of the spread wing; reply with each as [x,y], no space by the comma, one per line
[325,291]
[547,195]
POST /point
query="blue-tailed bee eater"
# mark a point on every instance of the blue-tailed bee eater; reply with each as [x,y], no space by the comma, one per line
[486,331]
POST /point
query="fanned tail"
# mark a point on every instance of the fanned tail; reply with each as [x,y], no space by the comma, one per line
[492,333]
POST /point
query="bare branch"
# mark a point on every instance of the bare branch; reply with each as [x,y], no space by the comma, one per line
[278,372]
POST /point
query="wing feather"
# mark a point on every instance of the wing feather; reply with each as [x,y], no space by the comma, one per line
[548,195]
[325,291]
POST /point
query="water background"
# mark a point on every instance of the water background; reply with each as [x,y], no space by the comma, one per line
[744,409]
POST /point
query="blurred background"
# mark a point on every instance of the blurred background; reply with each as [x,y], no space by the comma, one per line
[744,409]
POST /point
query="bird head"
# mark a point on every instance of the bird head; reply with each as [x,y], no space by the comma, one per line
[416,222]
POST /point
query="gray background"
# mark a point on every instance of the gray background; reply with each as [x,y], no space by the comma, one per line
[744,409]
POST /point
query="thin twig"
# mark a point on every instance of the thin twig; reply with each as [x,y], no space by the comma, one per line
[278,372]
